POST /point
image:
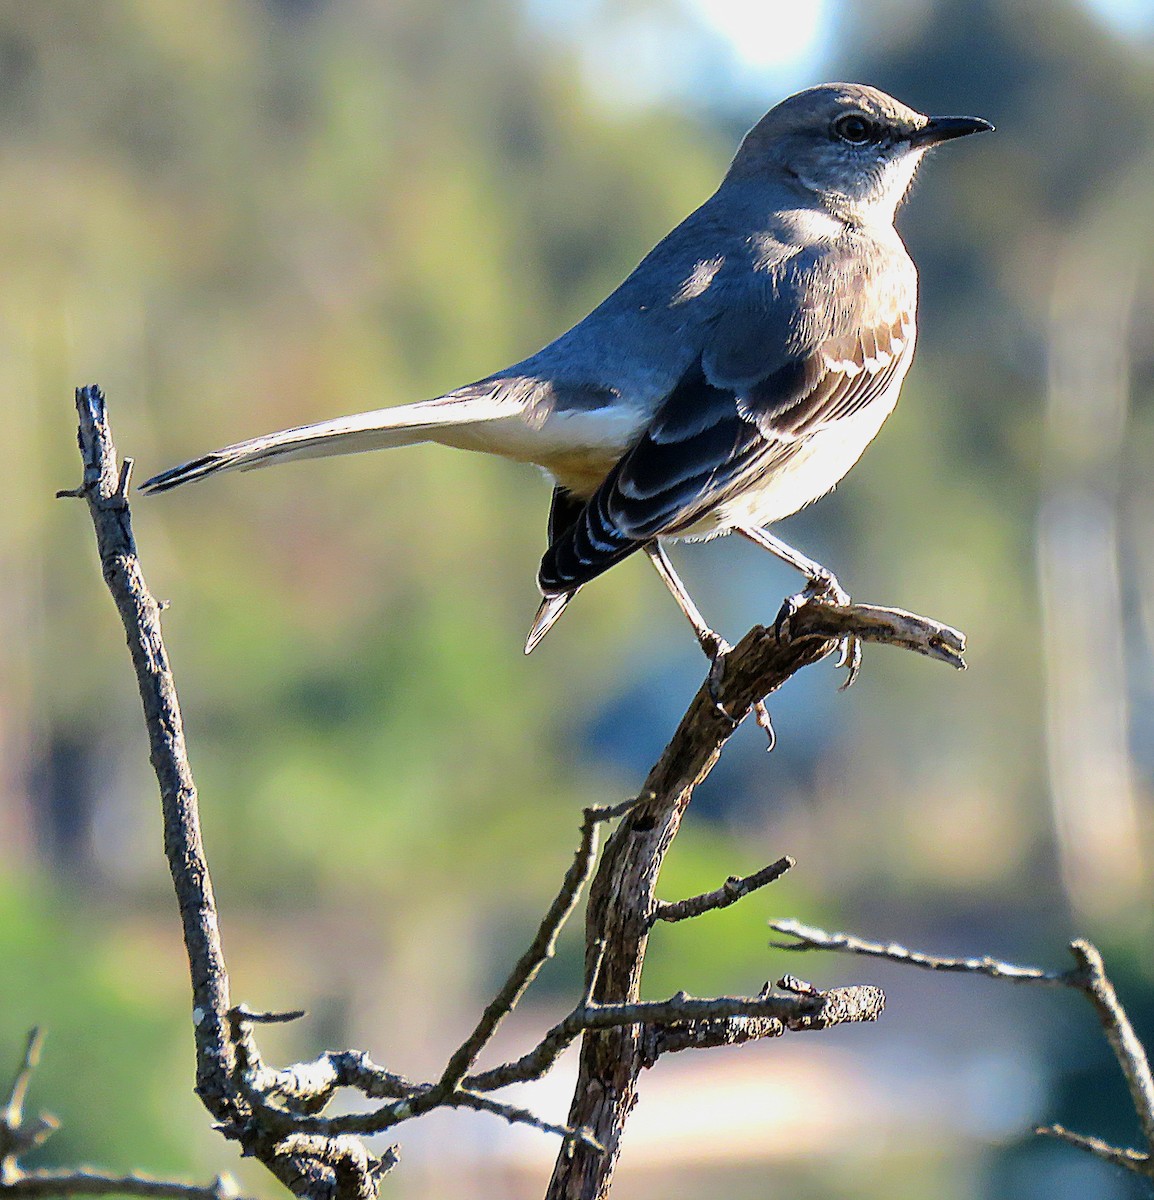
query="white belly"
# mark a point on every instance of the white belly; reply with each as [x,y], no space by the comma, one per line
[577,450]
[812,471]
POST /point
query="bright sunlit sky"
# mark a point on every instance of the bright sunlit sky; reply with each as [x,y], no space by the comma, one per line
[1134,18]
[768,35]
[758,48]
[777,35]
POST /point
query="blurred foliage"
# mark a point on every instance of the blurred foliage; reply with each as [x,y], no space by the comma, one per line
[242,216]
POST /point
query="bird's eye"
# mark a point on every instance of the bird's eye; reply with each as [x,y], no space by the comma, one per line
[855,129]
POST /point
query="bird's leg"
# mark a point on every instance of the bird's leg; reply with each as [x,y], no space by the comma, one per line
[821,584]
[714,645]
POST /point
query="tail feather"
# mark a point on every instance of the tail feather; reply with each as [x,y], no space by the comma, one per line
[378,430]
[547,616]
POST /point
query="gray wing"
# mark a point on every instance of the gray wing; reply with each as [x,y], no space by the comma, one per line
[767,381]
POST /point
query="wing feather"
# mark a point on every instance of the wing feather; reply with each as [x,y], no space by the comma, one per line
[710,440]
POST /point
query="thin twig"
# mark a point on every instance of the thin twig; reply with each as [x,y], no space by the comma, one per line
[732,890]
[14,1110]
[1088,977]
[727,1019]
[533,1064]
[306,1088]
[1128,1050]
[463,1098]
[540,950]
[313,1168]
[103,488]
[884,627]
[1132,1160]
[679,1008]
[808,1011]
[659,1014]
[19,1135]
[838,1006]
[85,1182]
[808,937]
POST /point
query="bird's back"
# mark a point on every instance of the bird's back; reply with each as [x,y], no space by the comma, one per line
[733,283]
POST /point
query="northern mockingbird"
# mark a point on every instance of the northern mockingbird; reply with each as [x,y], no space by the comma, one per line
[733,378]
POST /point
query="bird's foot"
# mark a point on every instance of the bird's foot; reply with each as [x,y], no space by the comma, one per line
[825,589]
[716,648]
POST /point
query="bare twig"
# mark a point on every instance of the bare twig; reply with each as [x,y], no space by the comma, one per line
[1128,1050]
[732,890]
[542,948]
[104,488]
[18,1093]
[519,1116]
[810,1010]
[838,1006]
[310,1167]
[1132,1160]
[17,1136]
[793,1011]
[808,937]
[1088,977]
[85,1182]
[885,627]
[307,1088]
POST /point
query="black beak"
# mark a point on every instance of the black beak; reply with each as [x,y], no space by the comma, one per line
[942,129]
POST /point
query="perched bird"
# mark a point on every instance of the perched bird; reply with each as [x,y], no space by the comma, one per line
[733,378]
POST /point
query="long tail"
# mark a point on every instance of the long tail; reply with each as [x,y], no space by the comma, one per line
[378,430]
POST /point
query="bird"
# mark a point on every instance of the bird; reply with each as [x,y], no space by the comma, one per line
[733,378]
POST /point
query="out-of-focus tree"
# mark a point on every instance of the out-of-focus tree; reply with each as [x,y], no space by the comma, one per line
[240,216]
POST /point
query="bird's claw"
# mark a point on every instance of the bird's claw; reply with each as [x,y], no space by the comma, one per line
[761,714]
[849,656]
[716,648]
[785,615]
[824,589]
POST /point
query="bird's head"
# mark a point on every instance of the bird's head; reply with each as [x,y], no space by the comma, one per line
[851,146]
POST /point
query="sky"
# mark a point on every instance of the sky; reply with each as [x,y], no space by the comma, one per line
[1131,18]
[753,49]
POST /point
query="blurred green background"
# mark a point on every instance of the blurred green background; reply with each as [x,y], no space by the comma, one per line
[237,216]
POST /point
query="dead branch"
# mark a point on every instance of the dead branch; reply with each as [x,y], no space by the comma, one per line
[730,892]
[276,1115]
[1088,976]
[1130,1160]
[309,1167]
[807,937]
[622,900]
[19,1135]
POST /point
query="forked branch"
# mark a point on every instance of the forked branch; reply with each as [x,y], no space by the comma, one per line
[20,1134]
[623,904]
[277,1115]
[1088,976]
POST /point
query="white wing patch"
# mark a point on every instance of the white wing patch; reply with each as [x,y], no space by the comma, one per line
[699,280]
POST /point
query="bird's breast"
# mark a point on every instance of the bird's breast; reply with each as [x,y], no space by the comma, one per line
[805,472]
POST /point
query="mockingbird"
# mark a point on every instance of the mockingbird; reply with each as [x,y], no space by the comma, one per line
[733,378]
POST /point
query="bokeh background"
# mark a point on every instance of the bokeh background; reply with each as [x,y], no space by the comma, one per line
[238,215]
